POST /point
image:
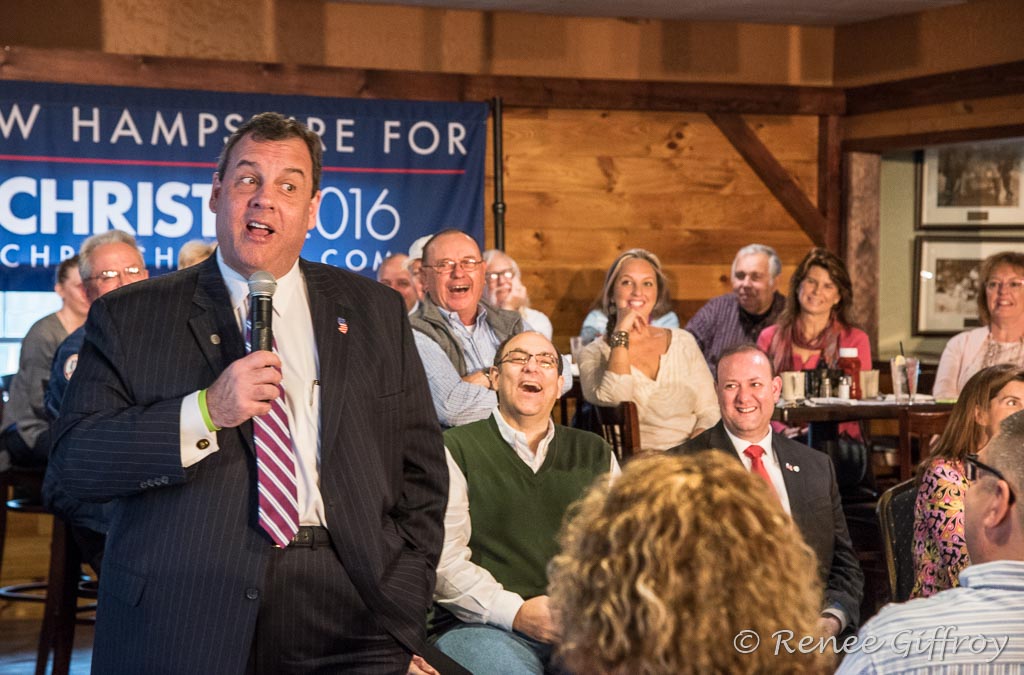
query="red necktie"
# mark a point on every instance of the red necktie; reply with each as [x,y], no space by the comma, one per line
[754,452]
[275,468]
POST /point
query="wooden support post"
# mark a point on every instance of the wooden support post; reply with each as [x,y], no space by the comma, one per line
[862,183]
[830,160]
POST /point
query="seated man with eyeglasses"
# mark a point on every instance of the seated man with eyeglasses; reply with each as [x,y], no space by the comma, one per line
[456,331]
[107,261]
[511,478]
[976,627]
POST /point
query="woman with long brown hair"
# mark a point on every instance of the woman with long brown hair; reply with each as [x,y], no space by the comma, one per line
[940,550]
[815,324]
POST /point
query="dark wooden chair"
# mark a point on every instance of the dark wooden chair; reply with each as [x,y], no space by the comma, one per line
[917,427]
[620,426]
[896,515]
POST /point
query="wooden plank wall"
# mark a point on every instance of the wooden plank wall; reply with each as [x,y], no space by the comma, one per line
[584,185]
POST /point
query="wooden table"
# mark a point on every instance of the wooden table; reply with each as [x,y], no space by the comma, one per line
[823,420]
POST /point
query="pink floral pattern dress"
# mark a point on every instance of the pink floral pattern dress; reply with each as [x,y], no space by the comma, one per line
[940,549]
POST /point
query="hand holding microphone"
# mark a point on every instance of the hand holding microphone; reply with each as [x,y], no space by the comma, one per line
[246,387]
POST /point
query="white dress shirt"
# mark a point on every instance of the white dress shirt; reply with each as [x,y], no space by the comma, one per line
[769,459]
[293,334]
[771,464]
[464,588]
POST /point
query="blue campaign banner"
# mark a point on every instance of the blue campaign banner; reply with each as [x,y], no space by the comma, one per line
[77,160]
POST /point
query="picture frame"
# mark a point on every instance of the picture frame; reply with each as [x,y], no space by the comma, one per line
[971,185]
[947,281]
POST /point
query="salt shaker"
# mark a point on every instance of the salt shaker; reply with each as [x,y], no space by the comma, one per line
[844,387]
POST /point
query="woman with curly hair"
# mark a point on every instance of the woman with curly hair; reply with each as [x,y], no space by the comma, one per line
[662,370]
[662,570]
[940,548]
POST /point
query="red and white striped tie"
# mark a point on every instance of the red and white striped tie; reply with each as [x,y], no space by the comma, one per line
[275,468]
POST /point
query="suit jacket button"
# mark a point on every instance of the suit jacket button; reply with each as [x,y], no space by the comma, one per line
[252,593]
[203,444]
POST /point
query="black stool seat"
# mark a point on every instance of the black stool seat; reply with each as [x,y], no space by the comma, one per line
[27,486]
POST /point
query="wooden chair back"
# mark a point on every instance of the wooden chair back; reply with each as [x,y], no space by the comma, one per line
[919,426]
[620,426]
[896,517]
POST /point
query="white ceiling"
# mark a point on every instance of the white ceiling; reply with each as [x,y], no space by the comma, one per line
[808,12]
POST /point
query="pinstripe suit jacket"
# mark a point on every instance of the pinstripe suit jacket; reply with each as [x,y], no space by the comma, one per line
[185,559]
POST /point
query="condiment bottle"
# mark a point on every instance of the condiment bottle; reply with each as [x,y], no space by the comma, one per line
[844,386]
[849,363]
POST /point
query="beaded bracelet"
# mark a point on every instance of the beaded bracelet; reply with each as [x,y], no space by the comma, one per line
[620,338]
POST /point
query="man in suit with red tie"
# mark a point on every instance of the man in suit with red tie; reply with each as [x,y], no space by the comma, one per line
[802,478]
[274,511]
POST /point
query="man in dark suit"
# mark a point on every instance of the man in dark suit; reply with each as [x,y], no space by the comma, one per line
[803,479]
[164,417]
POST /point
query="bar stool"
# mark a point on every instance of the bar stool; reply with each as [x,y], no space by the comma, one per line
[30,482]
[64,588]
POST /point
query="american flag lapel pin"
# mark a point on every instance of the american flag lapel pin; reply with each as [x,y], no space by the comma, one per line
[342,325]
[792,467]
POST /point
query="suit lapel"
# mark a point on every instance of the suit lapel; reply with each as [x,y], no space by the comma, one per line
[720,441]
[332,347]
[796,481]
[214,327]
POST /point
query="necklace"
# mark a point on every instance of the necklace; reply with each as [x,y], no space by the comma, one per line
[1003,352]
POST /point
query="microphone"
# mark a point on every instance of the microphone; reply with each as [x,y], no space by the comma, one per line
[261,310]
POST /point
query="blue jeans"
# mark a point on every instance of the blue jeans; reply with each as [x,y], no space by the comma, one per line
[484,649]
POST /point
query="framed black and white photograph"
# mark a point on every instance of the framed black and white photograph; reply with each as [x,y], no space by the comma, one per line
[972,185]
[947,281]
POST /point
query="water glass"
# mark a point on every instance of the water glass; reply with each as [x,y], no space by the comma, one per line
[913,373]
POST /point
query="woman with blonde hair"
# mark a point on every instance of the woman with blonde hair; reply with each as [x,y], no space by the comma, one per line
[661,370]
[940,548]
[1000,339]
[676,566]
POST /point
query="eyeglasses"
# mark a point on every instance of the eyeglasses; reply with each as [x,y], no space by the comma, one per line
[1013,285]
[447,266]
[971,473]
[506,274]
[107,275]
[545,360]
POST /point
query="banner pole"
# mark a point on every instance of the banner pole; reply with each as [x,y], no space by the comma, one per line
[499,183]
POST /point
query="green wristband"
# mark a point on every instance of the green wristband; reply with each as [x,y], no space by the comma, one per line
[205,412]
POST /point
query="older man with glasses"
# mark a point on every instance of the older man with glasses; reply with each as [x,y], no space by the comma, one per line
[107,261]
[511,478]
[977,627]
[457,333]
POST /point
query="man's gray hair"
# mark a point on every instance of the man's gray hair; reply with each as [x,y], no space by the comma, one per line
[774,264]
[97,240]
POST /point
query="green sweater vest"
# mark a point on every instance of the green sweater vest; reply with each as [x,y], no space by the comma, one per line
[515,514]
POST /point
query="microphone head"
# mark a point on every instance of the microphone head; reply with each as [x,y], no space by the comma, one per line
[262,283]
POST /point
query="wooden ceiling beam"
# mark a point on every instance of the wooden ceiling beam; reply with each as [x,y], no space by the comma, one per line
[988,81]
[86,67]
[880,144]
[775,177]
